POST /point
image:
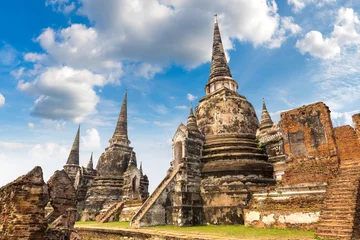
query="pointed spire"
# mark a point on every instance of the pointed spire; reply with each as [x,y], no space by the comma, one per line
[191,123]
[74,153]
[90,164]
[266,121]
[219,64]
[140,169]
[191,110]
[121,131]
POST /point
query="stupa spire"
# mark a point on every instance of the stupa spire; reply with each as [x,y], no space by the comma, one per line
[121,130]
[220,74]
[90,164]
[191,123]
[74,152]
[266,121]
[219,64]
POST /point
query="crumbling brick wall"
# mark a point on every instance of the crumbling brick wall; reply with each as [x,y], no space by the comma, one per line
[309,144]
[347,143]
[22,208]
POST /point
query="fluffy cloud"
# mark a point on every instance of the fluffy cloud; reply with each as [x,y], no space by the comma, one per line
[8,55]
[142,38]
[181,107]
[64,6]
[161,109]
[343,118]
[317,46]
[298,5]
[91,141]
[2,100]
[64,93]
[136,30]
[140,120]
[191,97]
[162,124]
[34,57]
[17,73]
[344,34]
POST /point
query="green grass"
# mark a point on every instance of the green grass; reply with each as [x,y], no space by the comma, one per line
[239,231]
[105,225]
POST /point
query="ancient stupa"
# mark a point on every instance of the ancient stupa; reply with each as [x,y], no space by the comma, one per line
[217,163]
[118,177]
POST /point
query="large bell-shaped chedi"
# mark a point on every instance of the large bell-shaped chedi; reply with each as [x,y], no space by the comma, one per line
[233,166]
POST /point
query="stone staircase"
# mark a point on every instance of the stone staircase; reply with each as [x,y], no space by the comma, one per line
[105,216]
[339,217]
[135,221]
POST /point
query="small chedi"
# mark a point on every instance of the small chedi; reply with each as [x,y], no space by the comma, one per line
[228,168]
[104,192]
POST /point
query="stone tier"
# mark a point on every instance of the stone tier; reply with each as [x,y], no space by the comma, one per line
[105,190]
[233,167]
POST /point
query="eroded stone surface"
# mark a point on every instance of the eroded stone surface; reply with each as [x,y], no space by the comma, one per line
[22,208]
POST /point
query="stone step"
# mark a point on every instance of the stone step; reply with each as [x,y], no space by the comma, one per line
[331,229]
[335,225]
[336,221]
[256,156]
[230,149]
[230,143]
[154,196]
[328,235]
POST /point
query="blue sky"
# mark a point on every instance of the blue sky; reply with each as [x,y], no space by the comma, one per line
[64,63]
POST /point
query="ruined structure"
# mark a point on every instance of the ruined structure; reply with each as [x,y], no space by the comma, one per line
[22,208]
[215,171]
[83,180]
[72,164]
[117,176]
[298,173]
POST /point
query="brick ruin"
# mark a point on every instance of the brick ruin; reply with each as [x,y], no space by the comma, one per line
[116,178]
[298,173]
[24,205]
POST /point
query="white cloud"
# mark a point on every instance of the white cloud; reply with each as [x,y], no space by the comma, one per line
[344,34]
[157,33]
[299,5]
[191,97]
[343,118]
[34,57]
[64,93]
[54,124]
[181,107]
[140,120]
[63,6]
[8,55]
[2,100]
[31,125]
[147,70]
[17,73]
[91,141]
[337,80]
[160,108]
[317,46]
[162,124]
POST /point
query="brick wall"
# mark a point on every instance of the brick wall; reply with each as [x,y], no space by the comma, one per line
[309,144]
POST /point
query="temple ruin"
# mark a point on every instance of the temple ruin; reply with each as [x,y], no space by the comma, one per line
[228,168]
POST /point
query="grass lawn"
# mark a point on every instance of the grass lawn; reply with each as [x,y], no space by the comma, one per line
[229,230]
